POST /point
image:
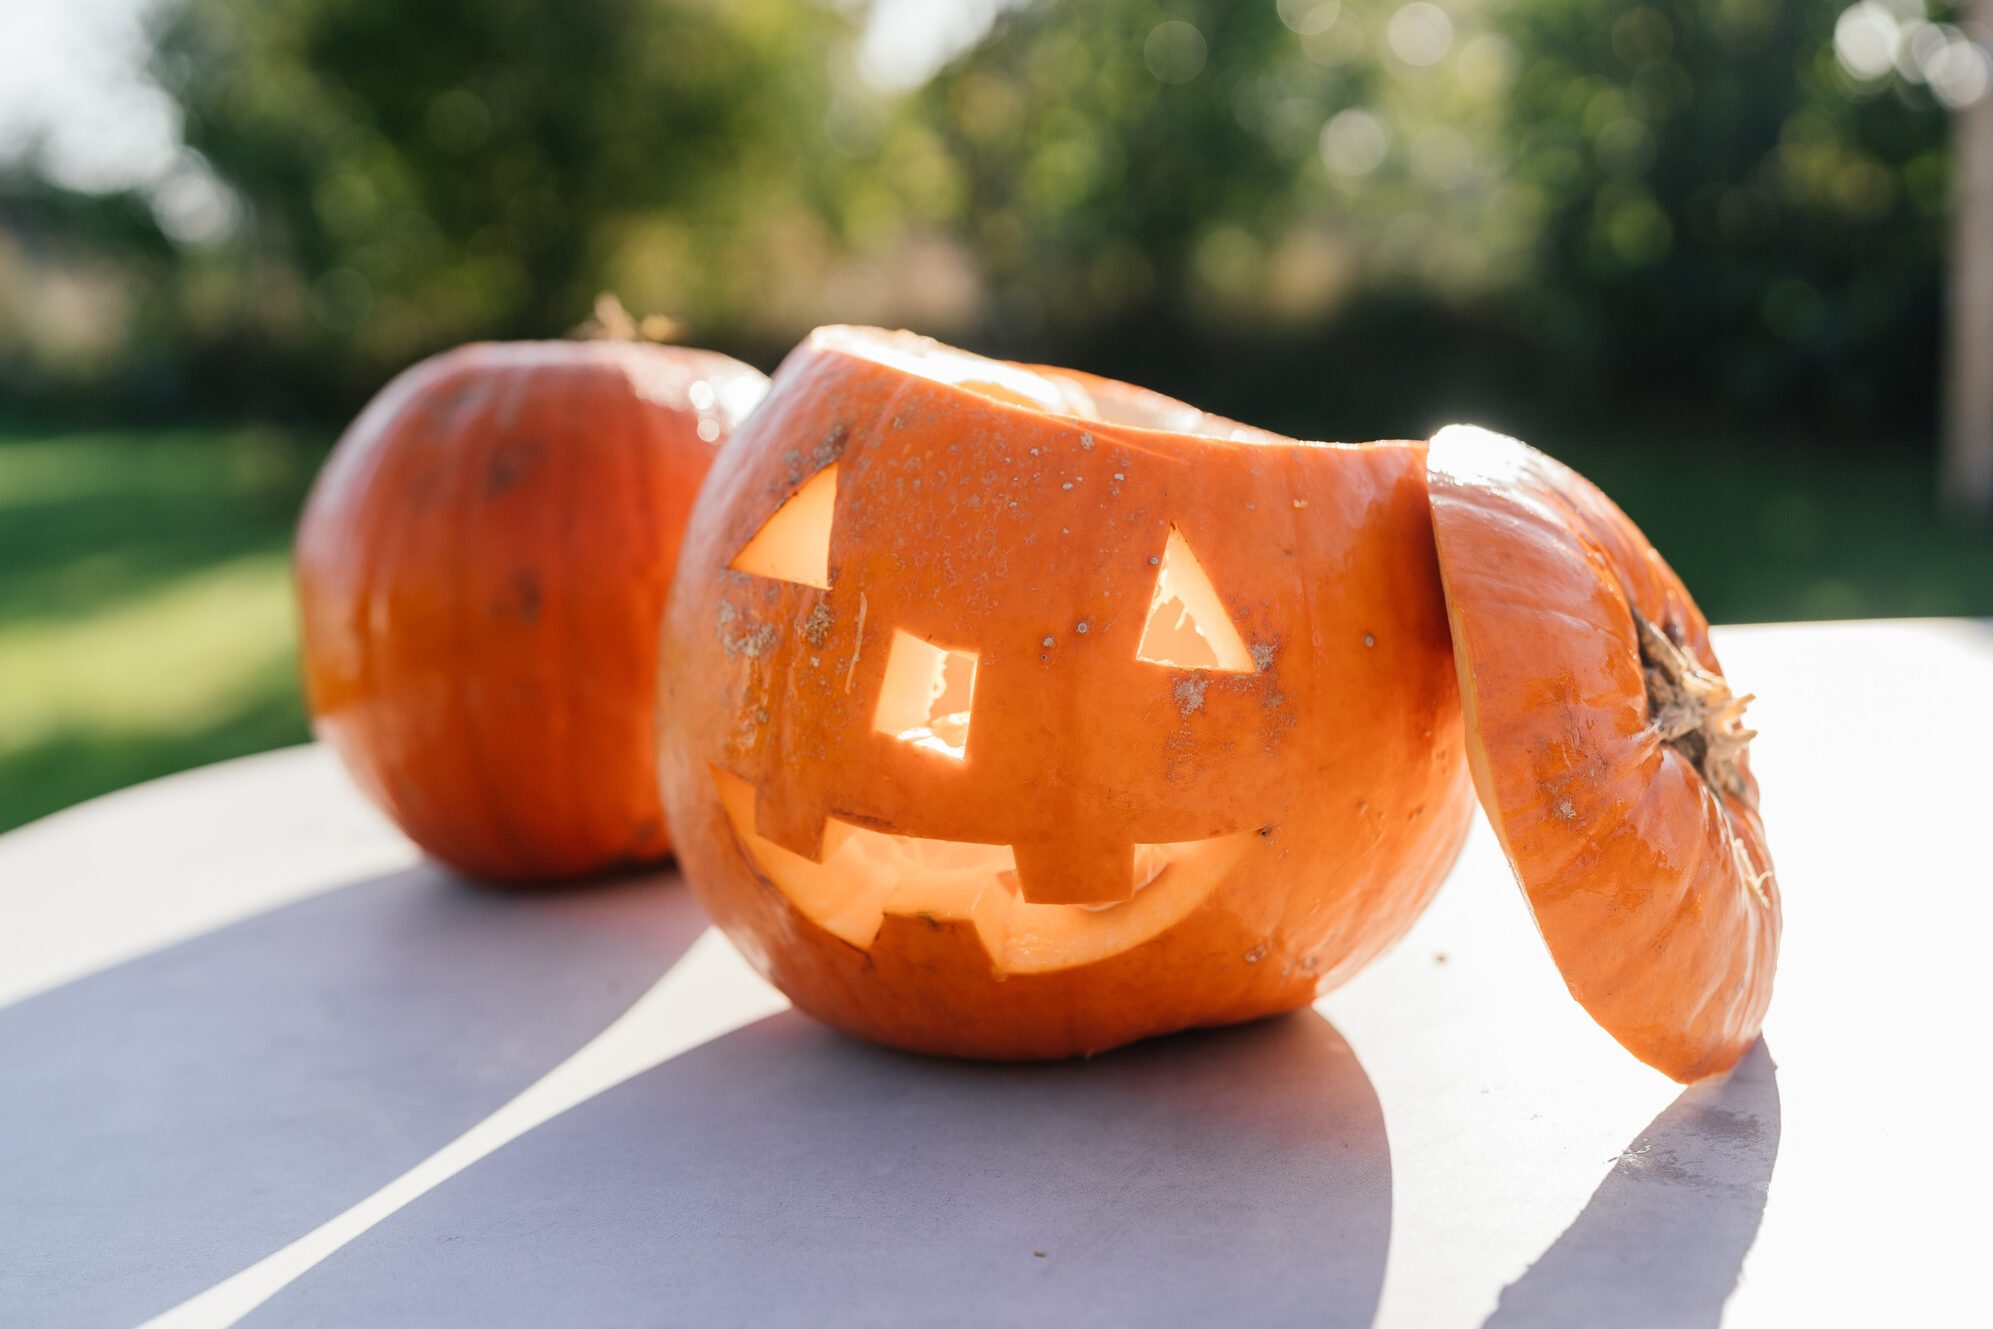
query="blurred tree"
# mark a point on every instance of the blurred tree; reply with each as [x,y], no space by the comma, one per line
[1728,207]
[86,287]
[1248,162]
[421,174]
[1637,196]
[1095,145]
[1728,200]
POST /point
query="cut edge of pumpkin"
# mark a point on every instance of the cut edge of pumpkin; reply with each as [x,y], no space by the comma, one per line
[1092,401]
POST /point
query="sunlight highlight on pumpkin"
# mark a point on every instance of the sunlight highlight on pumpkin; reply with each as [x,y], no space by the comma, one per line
[999,380]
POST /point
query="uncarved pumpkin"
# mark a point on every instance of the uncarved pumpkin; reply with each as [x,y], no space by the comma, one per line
[1609,752]
[1016,713]
[481,571]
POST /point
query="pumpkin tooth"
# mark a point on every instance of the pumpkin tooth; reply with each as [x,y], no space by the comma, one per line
[1083,870]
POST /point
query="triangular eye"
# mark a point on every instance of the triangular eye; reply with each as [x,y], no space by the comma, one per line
[794,544]
[1188,627]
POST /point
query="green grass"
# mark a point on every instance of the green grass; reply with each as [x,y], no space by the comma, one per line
[145,615]
[146,622]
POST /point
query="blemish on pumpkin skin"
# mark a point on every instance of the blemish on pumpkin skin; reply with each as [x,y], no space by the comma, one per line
[832,446]
[1190,694]
[639,840]
[752,642]
[1262,655]
[522,599]
[460,400]
[816,628]
[857,645]
[1256,954]
[510,463]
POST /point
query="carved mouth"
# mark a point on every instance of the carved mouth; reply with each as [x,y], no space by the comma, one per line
[867,877]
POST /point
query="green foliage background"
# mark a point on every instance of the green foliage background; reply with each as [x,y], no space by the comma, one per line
[1686,198]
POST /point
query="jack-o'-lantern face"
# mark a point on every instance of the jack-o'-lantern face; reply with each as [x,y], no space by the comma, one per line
[1015,712]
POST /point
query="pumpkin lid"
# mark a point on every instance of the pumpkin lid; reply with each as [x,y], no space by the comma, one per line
[1609,753]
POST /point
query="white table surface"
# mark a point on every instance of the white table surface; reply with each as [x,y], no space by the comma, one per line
[257,1063]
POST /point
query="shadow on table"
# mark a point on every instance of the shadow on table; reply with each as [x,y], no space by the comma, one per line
[785,1175]
[171,1121]
[1663,1238]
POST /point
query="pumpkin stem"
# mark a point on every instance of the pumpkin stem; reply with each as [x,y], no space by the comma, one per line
[1694,710]
[612,322]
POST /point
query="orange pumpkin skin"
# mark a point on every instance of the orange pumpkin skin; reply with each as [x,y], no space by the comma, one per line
[1650,881]
[481,570]
[1304,803]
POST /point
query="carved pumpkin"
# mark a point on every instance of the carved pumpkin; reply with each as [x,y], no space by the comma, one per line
[481,572]
[1017,713]
[1608,750]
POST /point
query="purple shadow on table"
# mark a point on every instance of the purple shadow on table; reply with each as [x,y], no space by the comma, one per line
[783,1175]
[166,1123]
[1662,1240]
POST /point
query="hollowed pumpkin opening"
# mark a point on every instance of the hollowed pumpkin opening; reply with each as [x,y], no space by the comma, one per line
[1037,388]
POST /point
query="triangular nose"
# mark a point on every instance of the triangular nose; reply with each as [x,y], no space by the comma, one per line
[1188,627]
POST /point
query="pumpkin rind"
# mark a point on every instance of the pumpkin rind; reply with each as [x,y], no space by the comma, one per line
[1322,789]
[481,571]
[1651,884]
